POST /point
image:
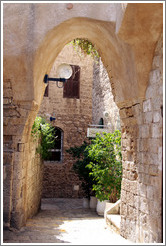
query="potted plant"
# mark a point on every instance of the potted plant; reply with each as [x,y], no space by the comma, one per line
[106,166]
[80,153]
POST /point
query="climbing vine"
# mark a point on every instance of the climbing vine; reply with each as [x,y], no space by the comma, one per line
[85,47]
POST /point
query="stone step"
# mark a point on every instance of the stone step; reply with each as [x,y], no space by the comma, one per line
[114,219]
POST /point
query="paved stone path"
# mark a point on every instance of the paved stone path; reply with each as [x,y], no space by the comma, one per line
[64,221]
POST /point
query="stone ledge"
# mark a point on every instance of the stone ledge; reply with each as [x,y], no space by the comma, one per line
[114,219]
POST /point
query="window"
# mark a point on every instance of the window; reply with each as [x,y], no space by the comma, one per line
[101,123]
[46,91]
[72,86]
[56,152]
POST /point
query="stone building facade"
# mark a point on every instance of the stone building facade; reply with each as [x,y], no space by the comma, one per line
[73,115]
[131,51]
[103,105]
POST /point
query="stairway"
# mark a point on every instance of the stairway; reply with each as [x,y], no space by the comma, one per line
[112,216]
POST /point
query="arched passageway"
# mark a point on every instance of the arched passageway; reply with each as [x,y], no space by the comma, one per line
[122,60]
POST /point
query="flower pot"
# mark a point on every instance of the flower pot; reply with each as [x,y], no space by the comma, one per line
[101,207]
[93,202]
[85,202]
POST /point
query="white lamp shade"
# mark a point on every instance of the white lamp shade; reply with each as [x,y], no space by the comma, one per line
[64,71]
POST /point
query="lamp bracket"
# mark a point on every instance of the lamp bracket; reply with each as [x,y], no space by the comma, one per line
[46,79]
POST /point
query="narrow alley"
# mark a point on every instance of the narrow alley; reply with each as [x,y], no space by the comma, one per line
[65,221]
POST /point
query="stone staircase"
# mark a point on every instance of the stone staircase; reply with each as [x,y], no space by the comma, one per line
[112,216]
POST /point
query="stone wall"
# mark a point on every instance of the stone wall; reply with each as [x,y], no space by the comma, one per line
[72,116]
[29,50]
[21,165]
[102,99]
[141,195]
[34,179]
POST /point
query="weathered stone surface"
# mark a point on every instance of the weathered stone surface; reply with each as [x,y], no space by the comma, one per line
[103,104]
[128,66]
[73,117]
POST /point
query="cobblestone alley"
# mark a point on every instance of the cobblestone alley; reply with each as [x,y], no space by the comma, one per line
[65,221]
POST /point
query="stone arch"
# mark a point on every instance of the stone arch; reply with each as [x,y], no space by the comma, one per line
[118,58]
[116,55]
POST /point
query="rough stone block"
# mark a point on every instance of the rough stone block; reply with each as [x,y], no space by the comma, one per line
[155,76]
[154,181]
[129,112]
[156,61]
[150,192]
[144,131]
[129,198]
[147,118]
[157,102]
[7,92]
[132,213]
[153,170]
[160,157]
[156,131]
[152,158]
[153,145]
[122,113]
[134,187]
[142,189]
[156,116]
[136,109]
[136,201]
[147,105]
[144,205]
[160,90]
[7,100]
[151,91]
[123,195]
[123,209]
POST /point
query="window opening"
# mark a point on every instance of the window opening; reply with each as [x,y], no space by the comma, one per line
[101,123]
[72,87]
[56,151]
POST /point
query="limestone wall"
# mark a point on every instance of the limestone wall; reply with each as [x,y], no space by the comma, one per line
[22,168]
[72,116]
[102,99]
[30,48]
[141,196]
[34,179]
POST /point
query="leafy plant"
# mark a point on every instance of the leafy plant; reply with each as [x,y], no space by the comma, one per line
[80,153]
[86,48]
[106,165]
[46,132]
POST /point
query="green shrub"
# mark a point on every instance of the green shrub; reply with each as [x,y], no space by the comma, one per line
[80,153]
[106,165]
[46,133]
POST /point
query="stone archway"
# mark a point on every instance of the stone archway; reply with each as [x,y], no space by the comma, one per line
[129,85]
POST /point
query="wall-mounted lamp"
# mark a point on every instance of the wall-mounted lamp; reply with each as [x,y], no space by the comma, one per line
[64,72]
[52,118]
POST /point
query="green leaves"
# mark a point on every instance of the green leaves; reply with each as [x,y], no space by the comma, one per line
[106,165]
[80,153]
[99,165]
[86,48]
[46,132]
